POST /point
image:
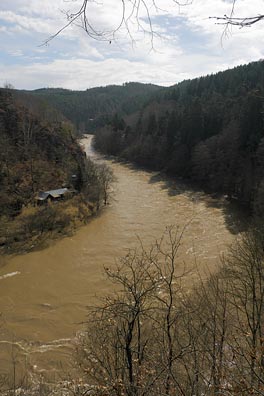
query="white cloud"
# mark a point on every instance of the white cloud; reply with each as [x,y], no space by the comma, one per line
[190,45]
[83,73]
[16,52]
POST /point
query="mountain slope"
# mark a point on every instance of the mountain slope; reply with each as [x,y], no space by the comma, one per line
[209,130]
[93,107]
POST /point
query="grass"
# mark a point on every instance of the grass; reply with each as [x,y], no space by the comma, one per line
[36,226]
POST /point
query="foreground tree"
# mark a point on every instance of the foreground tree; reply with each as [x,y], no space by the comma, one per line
[130,345]
[96,182]
[137,16]
[232,20]
[245,270]
[135,13]
[156,337]
[106,179]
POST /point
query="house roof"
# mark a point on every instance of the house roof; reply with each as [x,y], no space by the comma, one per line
[53,193]
[42,196]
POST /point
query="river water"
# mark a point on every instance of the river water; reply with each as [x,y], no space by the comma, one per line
[44,294]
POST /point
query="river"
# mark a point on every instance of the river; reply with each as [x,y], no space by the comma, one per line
[44,294]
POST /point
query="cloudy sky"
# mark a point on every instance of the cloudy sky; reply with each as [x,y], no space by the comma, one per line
[186,43]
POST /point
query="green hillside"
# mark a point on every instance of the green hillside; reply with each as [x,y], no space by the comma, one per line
[209,130]
[92,108]
[39,152]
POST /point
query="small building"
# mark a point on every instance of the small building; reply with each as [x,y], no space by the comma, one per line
[52,195]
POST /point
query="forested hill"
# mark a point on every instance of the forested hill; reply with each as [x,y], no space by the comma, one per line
[35,154]
[209,130]
[94,107]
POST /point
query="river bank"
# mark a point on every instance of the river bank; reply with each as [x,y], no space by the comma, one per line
[36,227]
[44,293]
[39,223]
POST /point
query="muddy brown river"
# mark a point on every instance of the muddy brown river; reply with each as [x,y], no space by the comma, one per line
[44,294]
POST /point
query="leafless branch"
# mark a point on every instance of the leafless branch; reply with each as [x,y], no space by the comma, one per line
[133,12]
[230,20]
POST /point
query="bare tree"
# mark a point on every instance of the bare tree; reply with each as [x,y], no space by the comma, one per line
[231,20]
[106,179]
[171,309]
[8,85]
[130,346]
[97,180]
[132,13]
[138,14]
[154,337]
[114,350]
[245,270]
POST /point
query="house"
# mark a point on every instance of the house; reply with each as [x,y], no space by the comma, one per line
[52,195]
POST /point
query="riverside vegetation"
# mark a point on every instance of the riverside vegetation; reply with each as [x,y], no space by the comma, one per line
[39,150]
[156,336]
[208,130]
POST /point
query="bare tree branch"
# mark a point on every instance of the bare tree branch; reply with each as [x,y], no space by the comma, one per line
[242,22]
[231,20]
[137,16]
[136,13]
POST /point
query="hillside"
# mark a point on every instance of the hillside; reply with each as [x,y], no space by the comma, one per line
[90,109]
[209,130]
[40,152]
[34,154]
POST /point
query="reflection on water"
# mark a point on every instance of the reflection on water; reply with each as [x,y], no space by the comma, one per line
[44,294]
